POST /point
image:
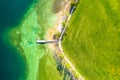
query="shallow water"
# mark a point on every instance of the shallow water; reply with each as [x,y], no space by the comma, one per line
[34,61]
[12,64]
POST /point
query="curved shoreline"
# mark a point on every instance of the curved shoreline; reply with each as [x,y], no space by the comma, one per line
[61,14]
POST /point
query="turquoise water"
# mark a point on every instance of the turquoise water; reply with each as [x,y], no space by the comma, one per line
[21,58]
[12,64]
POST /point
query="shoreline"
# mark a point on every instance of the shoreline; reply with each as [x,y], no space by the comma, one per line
[57,26]
[59,54]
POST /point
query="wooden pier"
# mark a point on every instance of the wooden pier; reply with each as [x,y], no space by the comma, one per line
[45,41]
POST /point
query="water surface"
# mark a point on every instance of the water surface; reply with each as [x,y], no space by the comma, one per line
[12,64]
[21,24]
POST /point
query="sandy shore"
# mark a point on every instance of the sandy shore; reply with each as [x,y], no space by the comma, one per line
[57,27]
[49,36]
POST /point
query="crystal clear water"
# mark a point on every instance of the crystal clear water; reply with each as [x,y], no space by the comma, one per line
[12,64]
[21,58]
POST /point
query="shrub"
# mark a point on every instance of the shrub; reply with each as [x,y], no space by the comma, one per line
[57,35]
[73,3]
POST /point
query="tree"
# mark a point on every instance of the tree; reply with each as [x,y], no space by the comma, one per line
[73,3]
[57,35]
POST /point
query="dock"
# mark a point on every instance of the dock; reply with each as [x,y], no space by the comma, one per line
[45,41]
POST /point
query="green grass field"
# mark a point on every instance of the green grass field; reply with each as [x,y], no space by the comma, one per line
[92,40]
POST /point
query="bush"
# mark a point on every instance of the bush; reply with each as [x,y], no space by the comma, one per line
[67,65]
[61,56]
[57,35]
[73,3]
[63,24]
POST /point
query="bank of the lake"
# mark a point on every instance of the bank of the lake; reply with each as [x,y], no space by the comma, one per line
[12,64]
[39,59]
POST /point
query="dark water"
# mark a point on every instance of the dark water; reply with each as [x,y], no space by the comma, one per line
[12,65]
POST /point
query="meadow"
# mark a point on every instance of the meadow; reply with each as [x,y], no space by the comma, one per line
[92,40]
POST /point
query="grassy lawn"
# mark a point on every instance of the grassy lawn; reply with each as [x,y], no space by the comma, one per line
[47,68]
[92,40]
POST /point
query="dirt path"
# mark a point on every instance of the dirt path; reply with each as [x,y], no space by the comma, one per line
[52,31]
[71,65]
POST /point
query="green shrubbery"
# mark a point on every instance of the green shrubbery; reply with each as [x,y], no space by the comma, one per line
[57,35]
[73,3]
[63,24]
